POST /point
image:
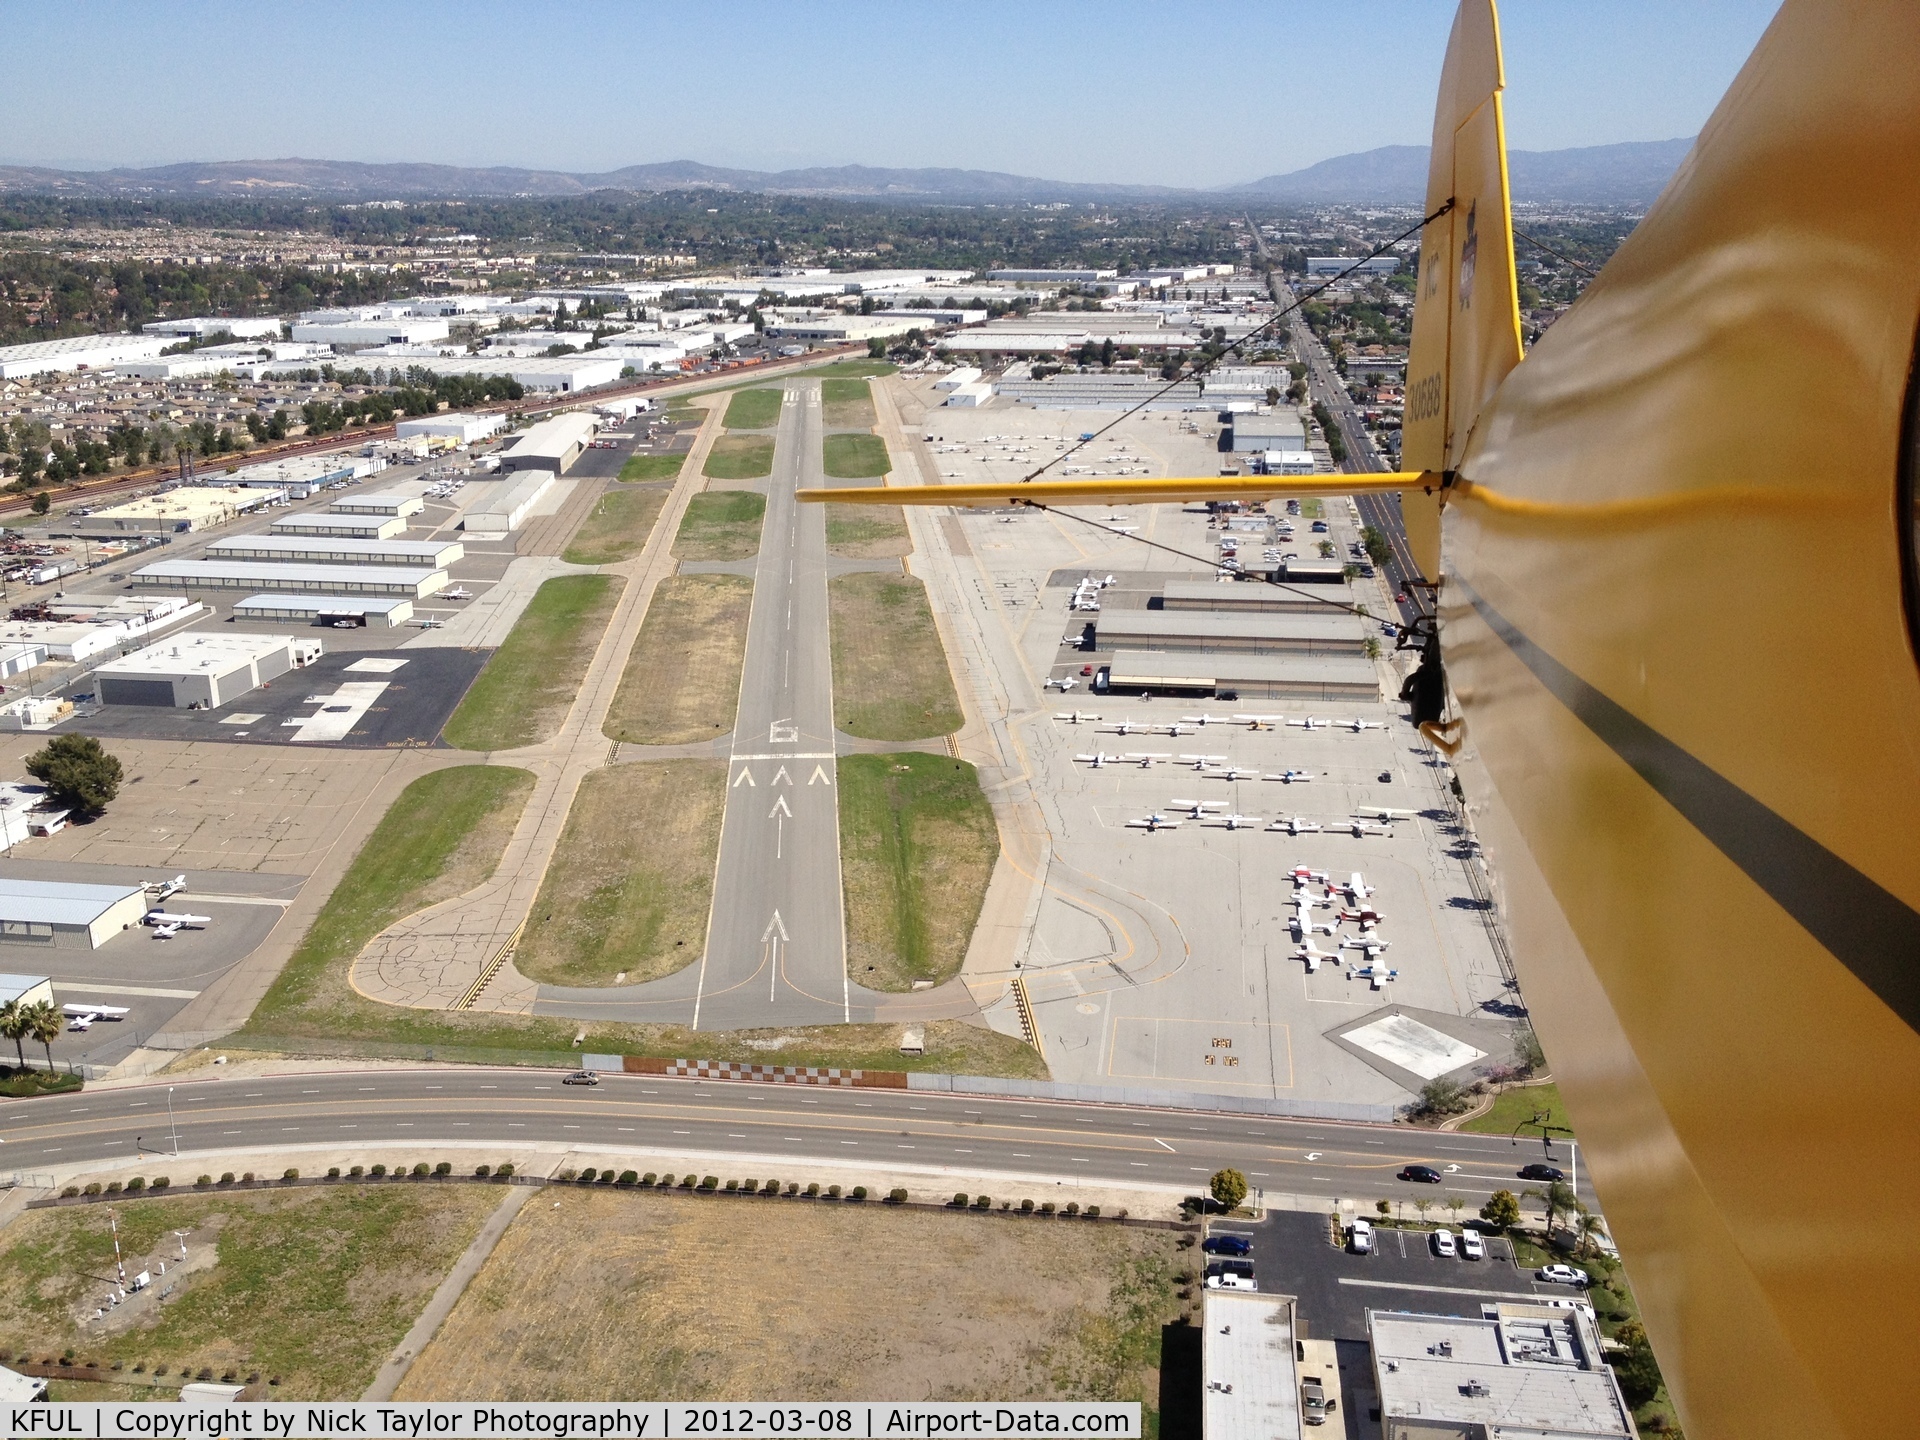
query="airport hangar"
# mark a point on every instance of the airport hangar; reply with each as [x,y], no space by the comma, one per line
[387,580]
[202,670]
[51,914]
[1217,632]
[1237,675]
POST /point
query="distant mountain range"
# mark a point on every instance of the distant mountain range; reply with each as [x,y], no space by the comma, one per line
[1602,174]
[1626,174]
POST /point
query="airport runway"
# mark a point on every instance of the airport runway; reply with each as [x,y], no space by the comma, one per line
[417,1108]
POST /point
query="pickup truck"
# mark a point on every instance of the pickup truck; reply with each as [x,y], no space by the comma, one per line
[1313,1401]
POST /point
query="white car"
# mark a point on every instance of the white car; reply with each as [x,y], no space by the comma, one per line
[1443,1244]
[1360,1237]
[1472,1246]
[1231,1282]
[1561,1275]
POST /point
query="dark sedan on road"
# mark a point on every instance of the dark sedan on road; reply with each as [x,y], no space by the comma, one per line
[1424,1174]
[1542,1172]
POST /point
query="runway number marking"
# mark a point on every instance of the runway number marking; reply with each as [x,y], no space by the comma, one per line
[782,733]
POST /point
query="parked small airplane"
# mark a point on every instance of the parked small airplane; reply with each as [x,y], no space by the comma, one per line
[1205,762]
[1357,724]
[1312,955]
[1204,720]
[1367,940]
[1232,772]
[1127,727]
[1382,813]
[1062,683]
[429,622]
[1074,717]
[1302,876]
[1234,822]
[1378,974]
[1178,730]
[1311,722]
[1196,809]
[1361,828]
[1099,759]
[171,924]
[1291,777]
[1145,758]
[81,1017]
[160,890]
[1154,822]
[1294,825]
[1362,914]
[1355,889]
[459,592]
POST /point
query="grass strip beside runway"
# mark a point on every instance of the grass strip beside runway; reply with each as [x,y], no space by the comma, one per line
[682,679]
[632,896]
[721,525]
[618,528]
[653,467]
[754,409]
[443,836]
[868,532]
[855,456]
[846,404]
[917,847]
[311,1288]
[890,675]
[528,684]
[740,457]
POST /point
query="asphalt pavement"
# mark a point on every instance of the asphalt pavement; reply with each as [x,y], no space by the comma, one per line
[963,1134]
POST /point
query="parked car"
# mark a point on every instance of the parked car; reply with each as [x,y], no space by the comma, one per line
[1443,1245]
[1424,1174]
[1231,1282]
[1227,1245]
[1561,1275]
[1537,1171]
[1472,1246]
[1360,1237]
[581,1077]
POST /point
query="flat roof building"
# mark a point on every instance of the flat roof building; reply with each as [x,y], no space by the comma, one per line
[347,527]
[200,671]
[565,373]
[1532,1371]
[376,611]
[454,426]
[379,502]
[302,473]
[1252,1389]
[324,550]
[1250,597]
[1338,679]
[411,331]
[26,989]
[552,445]
[1279,430]
[76,352]
[1217,631]
[1334,264]
[189,507]
[56,915]
[514,501]
[413,583]
[1051,277]
[198,327]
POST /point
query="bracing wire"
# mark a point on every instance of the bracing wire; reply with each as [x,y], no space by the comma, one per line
[1564,259]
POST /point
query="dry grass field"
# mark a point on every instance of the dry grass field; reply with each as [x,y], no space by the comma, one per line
[721,525]
[846,404]
[618,527]
[688,1298]
[868,532]
[682,681]
[890,675]
[313,1287]
[532,680]
[632,895]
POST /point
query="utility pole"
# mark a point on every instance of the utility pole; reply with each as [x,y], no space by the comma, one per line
[171,1125]
[113,1222]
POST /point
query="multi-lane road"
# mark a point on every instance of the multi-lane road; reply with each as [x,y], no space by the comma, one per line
[404,1114]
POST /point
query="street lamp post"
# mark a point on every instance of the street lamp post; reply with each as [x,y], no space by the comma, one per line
[171,1126]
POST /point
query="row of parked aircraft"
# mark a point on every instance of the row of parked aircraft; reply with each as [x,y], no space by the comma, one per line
[1214,812]
[1188,723]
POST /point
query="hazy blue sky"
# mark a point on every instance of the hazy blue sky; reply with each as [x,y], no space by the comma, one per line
[1184,93]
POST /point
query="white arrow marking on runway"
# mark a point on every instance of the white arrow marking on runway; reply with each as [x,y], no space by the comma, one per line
[819,777]
[781,774]
[780,808]
[746,778]
[771,938]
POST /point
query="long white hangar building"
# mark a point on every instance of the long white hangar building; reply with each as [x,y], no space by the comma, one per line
[50,914]
[408,582]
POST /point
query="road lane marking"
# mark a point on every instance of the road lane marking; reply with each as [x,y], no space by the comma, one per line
[1442,1289]
[1163,1145]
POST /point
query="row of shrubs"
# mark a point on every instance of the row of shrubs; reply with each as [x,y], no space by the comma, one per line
[420,1171]
[711,1184]
[139,1367]
[961,1201]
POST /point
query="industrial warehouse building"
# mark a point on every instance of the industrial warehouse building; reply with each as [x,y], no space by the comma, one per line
[373,611]
[321,550]
[406,581]
[1249,677]
[512,504]
[379,502]
[1281,430]
[552,445]
[345,527]
[60,916]
[190,507]
[1216,631]
[1249,598]
[200,671]
[76,352]
[303,474]
[461,428]
[199,327]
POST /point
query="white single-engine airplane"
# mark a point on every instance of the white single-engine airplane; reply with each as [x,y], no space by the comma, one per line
[166,924]
[1234,822]
[1355,887]
[1205,762]
[1292,777]
[1196,809]
[1145,758]
[1232,772]
[1099,759]
[81,1017]
[1074,717]
[1313,955]
[1295,825]
[161,890]
[1382,813]
[1154,822]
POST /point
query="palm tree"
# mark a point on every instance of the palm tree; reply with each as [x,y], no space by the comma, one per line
[44,1023]
[1590,1225]
[13,1025]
